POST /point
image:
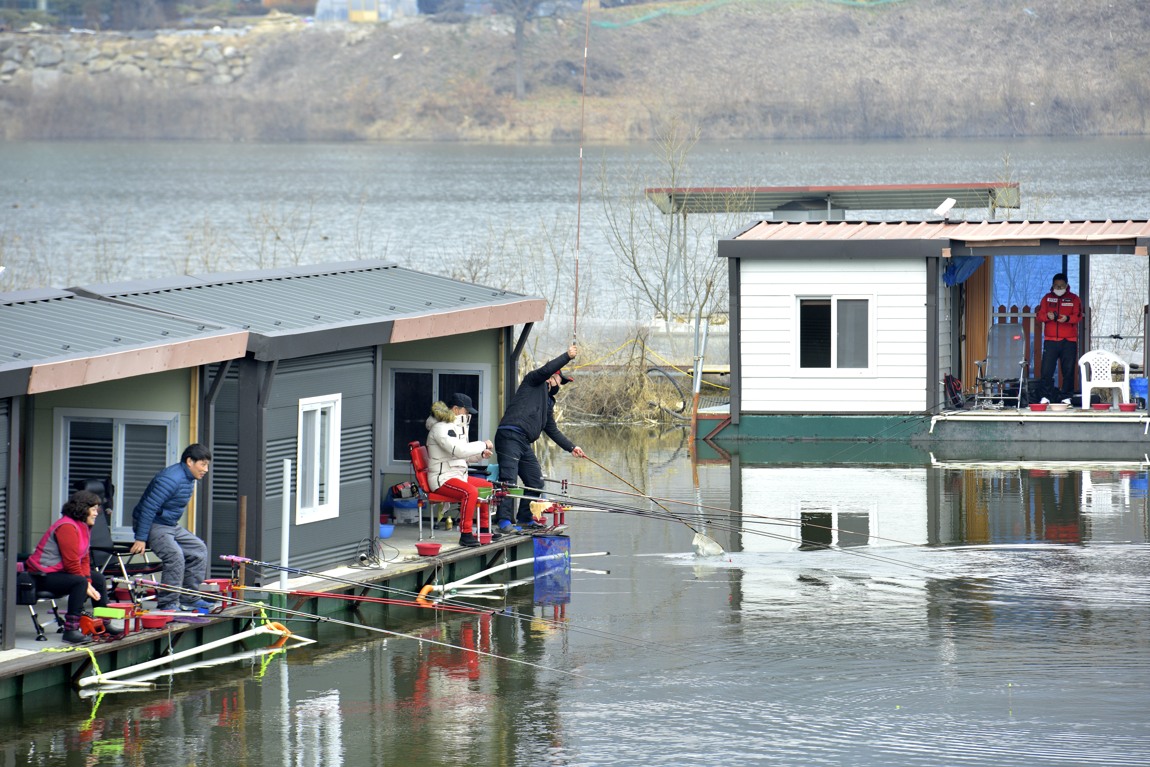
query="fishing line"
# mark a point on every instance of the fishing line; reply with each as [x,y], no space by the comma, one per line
[436,602]
[727,512]
[579,196]
[595,505]
[336,621]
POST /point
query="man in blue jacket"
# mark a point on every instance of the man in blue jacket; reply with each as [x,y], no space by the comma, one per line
[530,413]
[156,525]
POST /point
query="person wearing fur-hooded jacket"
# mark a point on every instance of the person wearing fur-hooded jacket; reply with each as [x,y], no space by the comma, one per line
[449,452]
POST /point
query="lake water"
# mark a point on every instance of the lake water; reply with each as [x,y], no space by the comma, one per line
[82,212]
[978,615]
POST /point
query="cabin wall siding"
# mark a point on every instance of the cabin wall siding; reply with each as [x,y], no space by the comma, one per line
[771,380]
[350,374]
[7,638]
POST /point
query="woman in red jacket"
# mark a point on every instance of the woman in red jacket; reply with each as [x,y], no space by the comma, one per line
[62,564]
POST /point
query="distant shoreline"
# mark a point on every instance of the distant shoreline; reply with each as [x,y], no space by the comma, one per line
[808,69]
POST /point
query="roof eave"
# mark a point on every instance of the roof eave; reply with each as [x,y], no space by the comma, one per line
[47,375]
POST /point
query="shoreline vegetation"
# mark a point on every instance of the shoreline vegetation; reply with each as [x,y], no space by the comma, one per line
[739,70]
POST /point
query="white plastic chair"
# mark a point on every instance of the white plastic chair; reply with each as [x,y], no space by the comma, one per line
[1096,371]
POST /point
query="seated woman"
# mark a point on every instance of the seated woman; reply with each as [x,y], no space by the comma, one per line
[449,452]
[62,564]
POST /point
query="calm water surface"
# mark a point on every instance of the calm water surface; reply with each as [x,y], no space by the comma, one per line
[986,615]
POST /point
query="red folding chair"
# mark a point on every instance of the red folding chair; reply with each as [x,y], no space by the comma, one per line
[419,466]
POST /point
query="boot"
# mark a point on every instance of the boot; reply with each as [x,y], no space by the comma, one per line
[72,633]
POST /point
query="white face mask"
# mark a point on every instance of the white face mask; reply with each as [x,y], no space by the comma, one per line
[1060,291]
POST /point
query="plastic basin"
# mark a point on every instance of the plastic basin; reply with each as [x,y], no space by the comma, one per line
[385,531]
[1127,407]
[427,549]
[155,621]
[1038,407]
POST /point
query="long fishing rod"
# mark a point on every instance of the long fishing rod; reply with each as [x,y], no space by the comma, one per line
[579,195]
[726,511]
[621,638]
[704,544]
[336,621]
[909,422]
[596,505]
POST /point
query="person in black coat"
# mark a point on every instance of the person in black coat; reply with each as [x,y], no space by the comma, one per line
[529,414]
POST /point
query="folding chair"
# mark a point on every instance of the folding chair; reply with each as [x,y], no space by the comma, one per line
[420,462]
[1002,374]
[419,466]
[115,559]
[41,595]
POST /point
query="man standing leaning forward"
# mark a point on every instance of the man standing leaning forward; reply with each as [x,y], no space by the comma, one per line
[530,413]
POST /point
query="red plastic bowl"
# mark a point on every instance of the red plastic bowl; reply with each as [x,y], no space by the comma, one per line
[1038,407]
[155,621]
[427,549]
[1127,407]
[1100,406]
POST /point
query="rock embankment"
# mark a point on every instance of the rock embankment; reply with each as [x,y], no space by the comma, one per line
[163,59]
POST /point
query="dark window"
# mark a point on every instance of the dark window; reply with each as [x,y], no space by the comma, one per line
[413,393]
[815,333]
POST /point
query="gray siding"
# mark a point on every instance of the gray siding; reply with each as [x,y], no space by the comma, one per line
[224,475]
[5,554]
[351,374]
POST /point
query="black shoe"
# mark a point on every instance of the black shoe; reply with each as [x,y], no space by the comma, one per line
[469,540]
[75,636]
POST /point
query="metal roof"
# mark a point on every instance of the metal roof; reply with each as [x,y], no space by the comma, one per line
[783,239]
[297,311]
[762,199]
[52,339]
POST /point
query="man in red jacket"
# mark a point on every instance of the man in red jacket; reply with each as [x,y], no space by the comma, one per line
[1059,311]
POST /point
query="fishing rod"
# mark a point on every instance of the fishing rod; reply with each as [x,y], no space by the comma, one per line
[727,511]
[579,194]
[336,621]
[438,603]
[909,422]
[596,505]
[704,544]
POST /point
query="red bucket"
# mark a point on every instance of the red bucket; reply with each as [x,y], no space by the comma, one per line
[484,537]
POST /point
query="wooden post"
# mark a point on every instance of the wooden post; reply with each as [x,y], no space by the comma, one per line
[242,542]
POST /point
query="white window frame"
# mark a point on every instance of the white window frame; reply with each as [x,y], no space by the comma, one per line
[120,419]
[834,371]
[317,458]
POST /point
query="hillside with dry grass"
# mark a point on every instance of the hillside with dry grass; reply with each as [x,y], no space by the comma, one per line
[740,70]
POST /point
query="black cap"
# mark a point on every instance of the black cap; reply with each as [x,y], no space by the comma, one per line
[463,401]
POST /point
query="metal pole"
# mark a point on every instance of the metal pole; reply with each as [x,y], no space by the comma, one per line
[285,532]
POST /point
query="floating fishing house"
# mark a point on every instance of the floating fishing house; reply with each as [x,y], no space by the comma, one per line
[846,329]
[328,367]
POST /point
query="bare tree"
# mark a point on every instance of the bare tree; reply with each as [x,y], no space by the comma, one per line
[521,12]
[668,261]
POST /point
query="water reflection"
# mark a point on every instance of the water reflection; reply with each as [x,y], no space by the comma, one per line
[974,614]
[848,506]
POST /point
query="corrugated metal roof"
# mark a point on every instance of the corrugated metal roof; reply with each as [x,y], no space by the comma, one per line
[762,199]
[1133,233]
[364,300]
[71,338]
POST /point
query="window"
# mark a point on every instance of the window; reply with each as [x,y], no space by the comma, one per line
[413,391]
[127,448]
[834,333]
[317,459]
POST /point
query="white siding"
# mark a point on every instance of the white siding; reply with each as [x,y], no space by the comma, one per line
[772,381]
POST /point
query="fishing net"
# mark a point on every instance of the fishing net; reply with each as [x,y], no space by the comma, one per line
[552,570]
